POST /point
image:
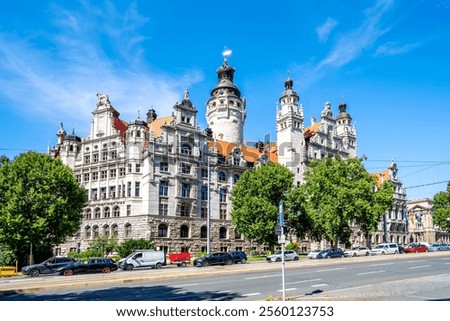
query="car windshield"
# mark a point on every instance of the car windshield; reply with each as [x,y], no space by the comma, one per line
[379,246]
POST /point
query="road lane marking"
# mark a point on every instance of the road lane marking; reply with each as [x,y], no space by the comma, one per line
[263,277]
[382,264]
[317,285]
[290,289]
[328,270]
[188,284]
[304,281]
[251,294]
[419,267]
[371,272]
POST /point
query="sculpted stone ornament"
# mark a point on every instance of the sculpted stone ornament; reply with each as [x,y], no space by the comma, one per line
[103,100]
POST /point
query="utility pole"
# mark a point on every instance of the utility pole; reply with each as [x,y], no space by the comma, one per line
[282,241]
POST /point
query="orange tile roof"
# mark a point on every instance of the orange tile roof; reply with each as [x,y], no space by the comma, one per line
[250,154]
[156,125]
[312,130]
[381,177]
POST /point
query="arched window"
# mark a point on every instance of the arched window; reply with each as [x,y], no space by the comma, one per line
[107,212]
[235,178]
[88,232]
[237,235]
[184,231]
[128,230]
[222,233]
[106,230]
[95,231]
[88,214]
[186,149]
[115,230]
[97,212]
[162,230]
[116,211]
[222,177]
[203,232]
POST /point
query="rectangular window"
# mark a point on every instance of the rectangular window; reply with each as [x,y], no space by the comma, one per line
[164,167]
[94,194]
[103,192]
[95,176]
[87,159]
[112,192]
[204,173]
[223,195]
[112,173]
[185,209]
[204,193]
[121,171]
[95,158]
[86,177]
[163,188]
[104,174]
[163,209]
[130,168]
[204,212]
[223,214]
[129,189]
[128,210]
[138,168]
[104,156]
[114,154]
[185,190]
[137,188]
[185,168]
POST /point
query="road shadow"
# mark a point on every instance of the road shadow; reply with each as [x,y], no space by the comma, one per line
[138,293]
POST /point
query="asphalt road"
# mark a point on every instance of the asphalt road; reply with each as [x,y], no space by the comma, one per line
[405,277]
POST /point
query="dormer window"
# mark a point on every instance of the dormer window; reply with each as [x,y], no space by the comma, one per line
[186,149]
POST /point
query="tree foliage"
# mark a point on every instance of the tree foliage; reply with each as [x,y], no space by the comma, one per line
[255,198]
[40,203]
[338,192]
[441,215]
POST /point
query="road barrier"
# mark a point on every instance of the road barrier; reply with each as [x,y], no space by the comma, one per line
[8,271]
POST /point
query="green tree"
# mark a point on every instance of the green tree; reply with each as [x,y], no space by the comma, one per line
[41,204]
[338,192]
[441,215]
[104,245]
[255,198]
[126,248]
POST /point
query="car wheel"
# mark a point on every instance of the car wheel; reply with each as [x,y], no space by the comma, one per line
[354,254]
[296,258]
[106,270]
[243,261]
[34,273]
[68,272]
[205,264]
[367,253]
[158,265]
[278,259]
[396,252]
[182,264]
[382,253]
[129,267]
[229,262]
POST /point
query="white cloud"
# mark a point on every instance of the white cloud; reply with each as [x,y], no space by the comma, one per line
[393,48]
[325,29]
[350,45]
[59,81]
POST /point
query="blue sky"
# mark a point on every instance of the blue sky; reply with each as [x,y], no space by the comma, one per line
[388,59]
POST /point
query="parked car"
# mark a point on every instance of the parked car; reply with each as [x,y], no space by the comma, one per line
[358,251]
[91,265]
[331,253]
[289,255]
[385,248]
[143,259]
[416,248]
[314,254]
[47,267]
[437,247]
[239,256]
[218,258]
[401,249]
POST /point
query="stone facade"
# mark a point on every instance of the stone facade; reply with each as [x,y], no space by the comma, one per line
[166,180]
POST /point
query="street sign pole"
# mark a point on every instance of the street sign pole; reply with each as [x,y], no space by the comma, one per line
[282,241]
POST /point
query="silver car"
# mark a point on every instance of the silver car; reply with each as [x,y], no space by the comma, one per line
[437,247]
[289,255]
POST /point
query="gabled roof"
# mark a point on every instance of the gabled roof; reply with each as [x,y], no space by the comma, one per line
[156,125]
[311,130]
[250,154]
[382,177]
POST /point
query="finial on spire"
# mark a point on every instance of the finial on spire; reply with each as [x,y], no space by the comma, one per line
[186,94]
[226,53]
[139,112]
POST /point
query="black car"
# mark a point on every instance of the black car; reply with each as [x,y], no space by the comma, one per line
[218,258]
[331,253]
[47,267]
[239,256]
[92,265]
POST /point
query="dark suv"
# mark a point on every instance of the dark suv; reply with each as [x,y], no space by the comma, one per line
[239,256]
[218,258]
[47,267]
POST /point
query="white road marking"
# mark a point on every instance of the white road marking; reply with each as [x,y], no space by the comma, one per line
[382,264]
[188,284]
[251,294]
[419,267]
[327,270]
[317,285]
[263,277]
[371,272]
[290,289]
[304,281]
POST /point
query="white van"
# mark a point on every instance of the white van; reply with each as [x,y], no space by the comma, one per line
[143,258]
[385,248]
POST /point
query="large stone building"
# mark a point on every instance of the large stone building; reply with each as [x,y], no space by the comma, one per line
[166,180]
